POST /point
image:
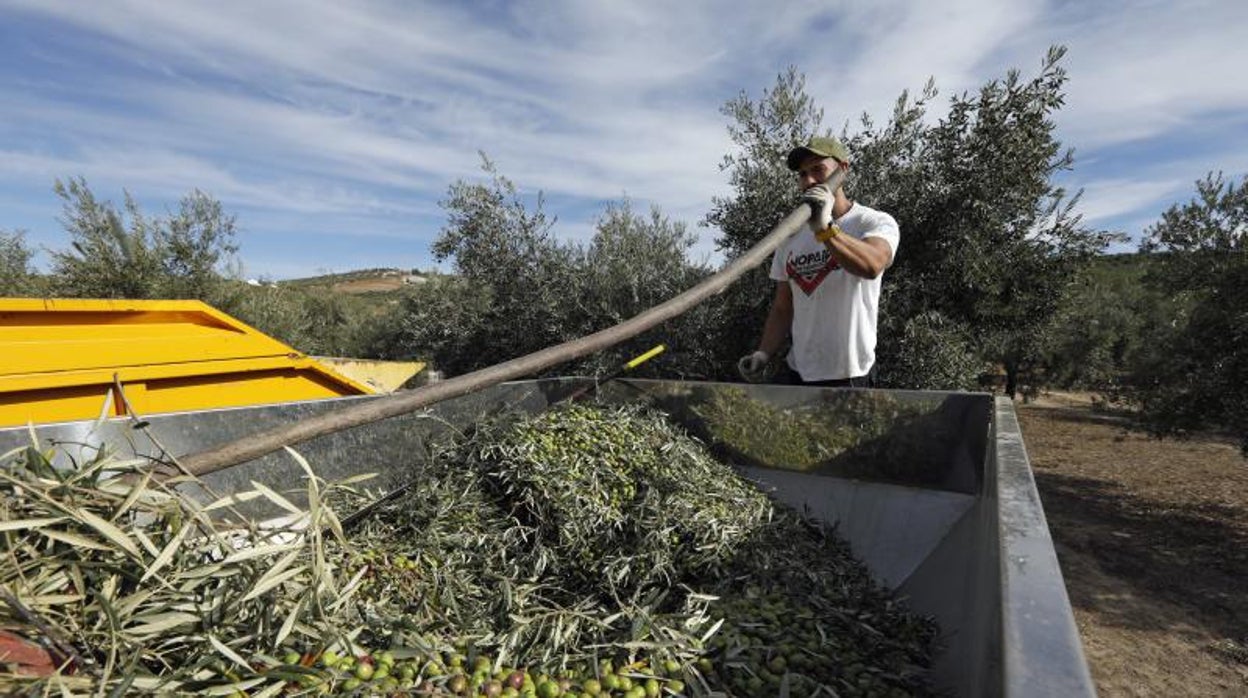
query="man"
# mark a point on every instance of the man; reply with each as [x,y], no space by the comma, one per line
[827,281]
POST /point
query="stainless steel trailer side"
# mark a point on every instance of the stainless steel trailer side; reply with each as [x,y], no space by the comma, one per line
[933,491]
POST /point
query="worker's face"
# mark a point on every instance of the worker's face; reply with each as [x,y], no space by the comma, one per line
[815,169]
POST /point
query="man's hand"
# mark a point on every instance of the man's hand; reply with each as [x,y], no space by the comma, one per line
[751,367]
[820,198]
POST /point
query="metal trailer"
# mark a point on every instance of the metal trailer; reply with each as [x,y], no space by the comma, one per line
[69,358]
[933,491]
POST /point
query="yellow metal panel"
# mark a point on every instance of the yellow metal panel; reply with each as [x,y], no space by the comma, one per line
[60,405]
[383,376]
[39,357]
[55,335]
[177,395]
[62,357]
[259,388]
[129,374]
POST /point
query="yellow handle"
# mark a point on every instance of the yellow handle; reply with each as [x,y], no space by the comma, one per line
[645,357]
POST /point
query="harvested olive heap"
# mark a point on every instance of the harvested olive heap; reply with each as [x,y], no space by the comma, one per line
[587,551]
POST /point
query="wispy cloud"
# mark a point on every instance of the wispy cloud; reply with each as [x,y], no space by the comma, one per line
[1152,68]
[330,120]
[1109,199]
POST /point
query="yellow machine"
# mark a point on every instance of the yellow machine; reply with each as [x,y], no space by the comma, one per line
[63,360]
[381,376]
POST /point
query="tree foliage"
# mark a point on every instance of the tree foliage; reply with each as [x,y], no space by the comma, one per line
[931,352]
[1103,322]
[315,320]
[518,289]
[446,322]
[17,276]
[1192,377]
[1214,223]
[633,263]
[764,190]
[125,254]
[497,243]
[763,193]
[988,242]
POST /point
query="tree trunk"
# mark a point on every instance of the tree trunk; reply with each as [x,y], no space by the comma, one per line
[1011,379]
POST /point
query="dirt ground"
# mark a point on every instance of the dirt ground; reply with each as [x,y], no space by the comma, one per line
[369,285]
[1152,537]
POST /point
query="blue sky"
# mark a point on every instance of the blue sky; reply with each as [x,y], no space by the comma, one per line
[332,129]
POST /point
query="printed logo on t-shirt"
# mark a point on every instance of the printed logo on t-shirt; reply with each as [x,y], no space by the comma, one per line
[808,270]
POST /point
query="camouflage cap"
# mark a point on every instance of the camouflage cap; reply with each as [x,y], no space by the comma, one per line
[823,146]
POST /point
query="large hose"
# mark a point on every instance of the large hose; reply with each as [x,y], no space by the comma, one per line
[257,445]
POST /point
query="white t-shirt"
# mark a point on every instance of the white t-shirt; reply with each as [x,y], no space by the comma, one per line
[834,312]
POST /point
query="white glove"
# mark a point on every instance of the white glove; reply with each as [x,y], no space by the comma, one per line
[821,198]
[751,367]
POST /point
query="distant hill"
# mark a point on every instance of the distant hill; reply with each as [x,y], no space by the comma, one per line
[380,280]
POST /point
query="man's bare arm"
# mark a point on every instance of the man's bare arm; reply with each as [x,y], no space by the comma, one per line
[867,258]
[779,319]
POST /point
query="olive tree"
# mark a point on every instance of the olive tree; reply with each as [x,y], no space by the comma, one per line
[313,319]
[632,263]
[988,241]
[1105,319]
[518,289]
[17,276]
[763,193]
[1192,375]
[502,247]
[126,254]
[445,321]
[995,241]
